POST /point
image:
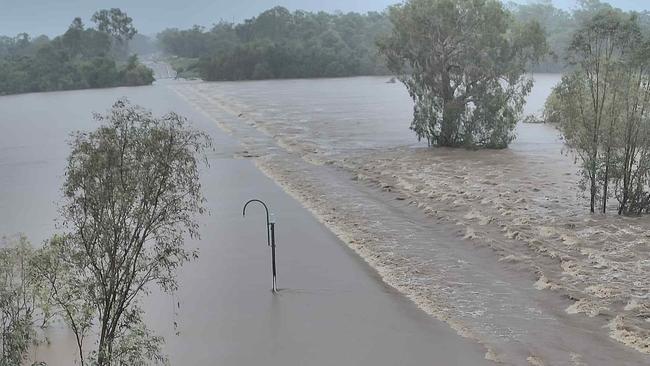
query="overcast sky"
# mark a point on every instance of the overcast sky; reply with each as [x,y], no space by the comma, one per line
[52,17]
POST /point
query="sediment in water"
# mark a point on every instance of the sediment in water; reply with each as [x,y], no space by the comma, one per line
[524,207]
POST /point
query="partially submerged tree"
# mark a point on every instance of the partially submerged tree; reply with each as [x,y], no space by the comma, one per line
[132,191]
[632,172]
[464,64]
[601,108]
[590,103]
[20,296]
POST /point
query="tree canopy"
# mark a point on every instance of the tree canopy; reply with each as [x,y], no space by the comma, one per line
[132,193]
[464,64]
[78,59]
[601,108]
[116,23]
[19,294]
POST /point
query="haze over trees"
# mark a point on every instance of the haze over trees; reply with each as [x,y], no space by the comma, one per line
[559,25]
[80,58]
[464,64]
[118,25]
[277,36]
[283,44]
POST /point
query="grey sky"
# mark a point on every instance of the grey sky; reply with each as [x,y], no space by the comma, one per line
[52,17]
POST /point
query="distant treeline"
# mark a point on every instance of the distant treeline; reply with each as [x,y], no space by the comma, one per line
[80,58]
[283,44]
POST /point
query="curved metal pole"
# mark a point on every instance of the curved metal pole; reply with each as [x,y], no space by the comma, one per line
[268,222]
[270,237]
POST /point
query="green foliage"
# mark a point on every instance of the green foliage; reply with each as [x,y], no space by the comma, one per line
[282,44]
[20,295]
[463,63]
[80,58]
[119,26]
[136,73]
[132,191]
[116,23]
[601,109]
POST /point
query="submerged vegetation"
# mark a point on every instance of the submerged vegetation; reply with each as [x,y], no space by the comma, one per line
[80,58]
[20,299]
[601,108]
[464,64]
[132,191]
[131,197]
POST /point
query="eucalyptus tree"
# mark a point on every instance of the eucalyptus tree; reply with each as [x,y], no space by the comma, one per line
[132,193]
[592,98]
[20,300]
[464,64]
[118,25]
[632,172]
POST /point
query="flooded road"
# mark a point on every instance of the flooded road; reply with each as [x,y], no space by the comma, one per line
[496,243]
[332,307]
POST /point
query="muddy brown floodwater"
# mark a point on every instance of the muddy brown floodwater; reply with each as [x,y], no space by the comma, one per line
[332,308]
[499,244]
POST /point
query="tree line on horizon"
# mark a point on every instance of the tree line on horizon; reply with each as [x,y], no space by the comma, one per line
[282,44]
[81,58]
[279,43]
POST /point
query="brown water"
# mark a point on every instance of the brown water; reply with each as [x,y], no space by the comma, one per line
[331,309]
[496,243]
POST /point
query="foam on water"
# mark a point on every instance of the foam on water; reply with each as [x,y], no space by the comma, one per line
[496,243]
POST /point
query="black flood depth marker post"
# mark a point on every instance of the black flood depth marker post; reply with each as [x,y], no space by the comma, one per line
[270,236]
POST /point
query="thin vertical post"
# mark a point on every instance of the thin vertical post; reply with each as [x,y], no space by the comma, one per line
[270,239]
[275,289]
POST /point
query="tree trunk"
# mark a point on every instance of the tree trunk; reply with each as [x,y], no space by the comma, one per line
[593,192]
[606,180]
[447,126]
[604,208]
